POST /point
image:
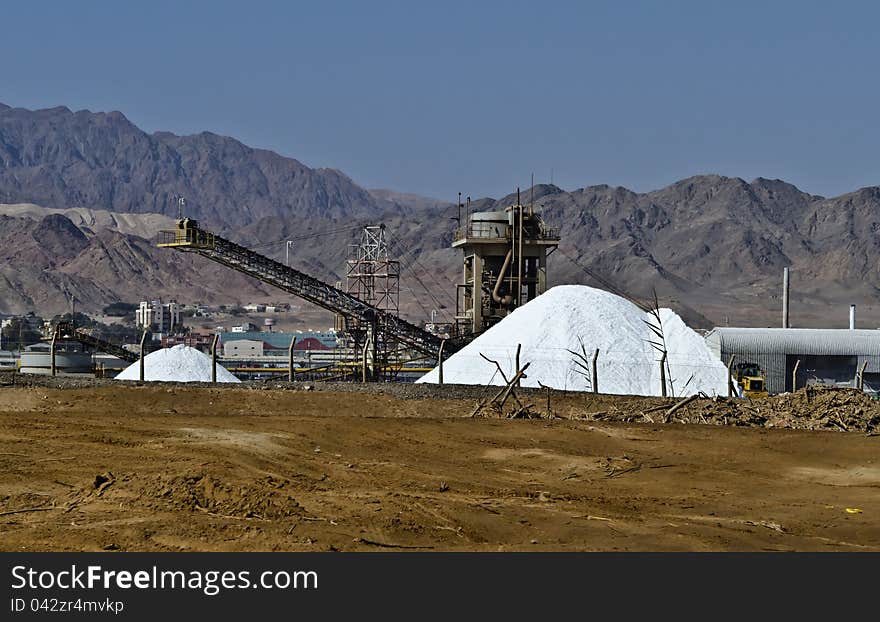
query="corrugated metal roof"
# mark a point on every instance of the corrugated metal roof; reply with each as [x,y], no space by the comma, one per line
[817,341]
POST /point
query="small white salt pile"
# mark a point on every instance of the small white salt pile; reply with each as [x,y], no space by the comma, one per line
[176,364]
[576,318]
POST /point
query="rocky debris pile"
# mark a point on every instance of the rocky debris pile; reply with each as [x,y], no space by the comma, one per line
[811,408]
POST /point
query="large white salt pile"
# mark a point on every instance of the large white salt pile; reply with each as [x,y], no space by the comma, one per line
[567,316]
[176,364]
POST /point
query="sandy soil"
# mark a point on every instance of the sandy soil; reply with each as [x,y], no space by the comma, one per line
[233,469]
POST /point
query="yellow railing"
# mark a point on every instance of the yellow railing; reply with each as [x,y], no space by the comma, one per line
[196,238]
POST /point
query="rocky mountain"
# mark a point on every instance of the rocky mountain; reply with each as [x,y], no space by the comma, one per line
[57,158]
[91,220]
[711,246]
[43,262]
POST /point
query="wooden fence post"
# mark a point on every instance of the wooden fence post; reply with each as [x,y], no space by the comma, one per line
[862,376]
[52,369]
[214,358]
[440,362]
[595,372]
[364,361]
[518,348]
[290,359]
[141,359]
[729,375]
[663,375]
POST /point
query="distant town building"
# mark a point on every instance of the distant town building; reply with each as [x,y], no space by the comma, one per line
[193,340]
[243,348]
[255,307]
[276,344]
[247,327]
[159,317]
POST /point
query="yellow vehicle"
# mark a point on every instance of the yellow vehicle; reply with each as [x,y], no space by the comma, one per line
[752,379]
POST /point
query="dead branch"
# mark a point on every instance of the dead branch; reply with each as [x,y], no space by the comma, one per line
[391,545]
[615,473]
[656,408]
[681,404]
[500,371]
[41,509]
[512,383]
[503,394]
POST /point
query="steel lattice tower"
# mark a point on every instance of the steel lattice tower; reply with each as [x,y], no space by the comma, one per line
[374,278]
[372,275]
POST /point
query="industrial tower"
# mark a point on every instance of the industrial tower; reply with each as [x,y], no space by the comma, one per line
[505,264]
[372,275]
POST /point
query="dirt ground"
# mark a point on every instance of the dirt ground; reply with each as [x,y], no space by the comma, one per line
[143,468]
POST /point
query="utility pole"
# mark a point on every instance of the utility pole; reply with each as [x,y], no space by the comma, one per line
[287,255]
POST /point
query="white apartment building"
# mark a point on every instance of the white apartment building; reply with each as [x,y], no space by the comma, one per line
[158,316]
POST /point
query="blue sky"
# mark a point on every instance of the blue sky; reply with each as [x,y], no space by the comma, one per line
[441,97]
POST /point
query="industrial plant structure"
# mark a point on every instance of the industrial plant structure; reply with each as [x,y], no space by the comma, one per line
[505,265]
[386,337]
[504,257]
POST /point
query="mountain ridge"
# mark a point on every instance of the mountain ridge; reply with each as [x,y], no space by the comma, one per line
[57,158]
[709,243]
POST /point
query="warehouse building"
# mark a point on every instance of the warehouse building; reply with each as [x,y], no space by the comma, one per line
[827,356]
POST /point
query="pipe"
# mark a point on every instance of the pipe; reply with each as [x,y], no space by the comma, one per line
[852,317]
[519,260]
[495,295]
[785,292]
